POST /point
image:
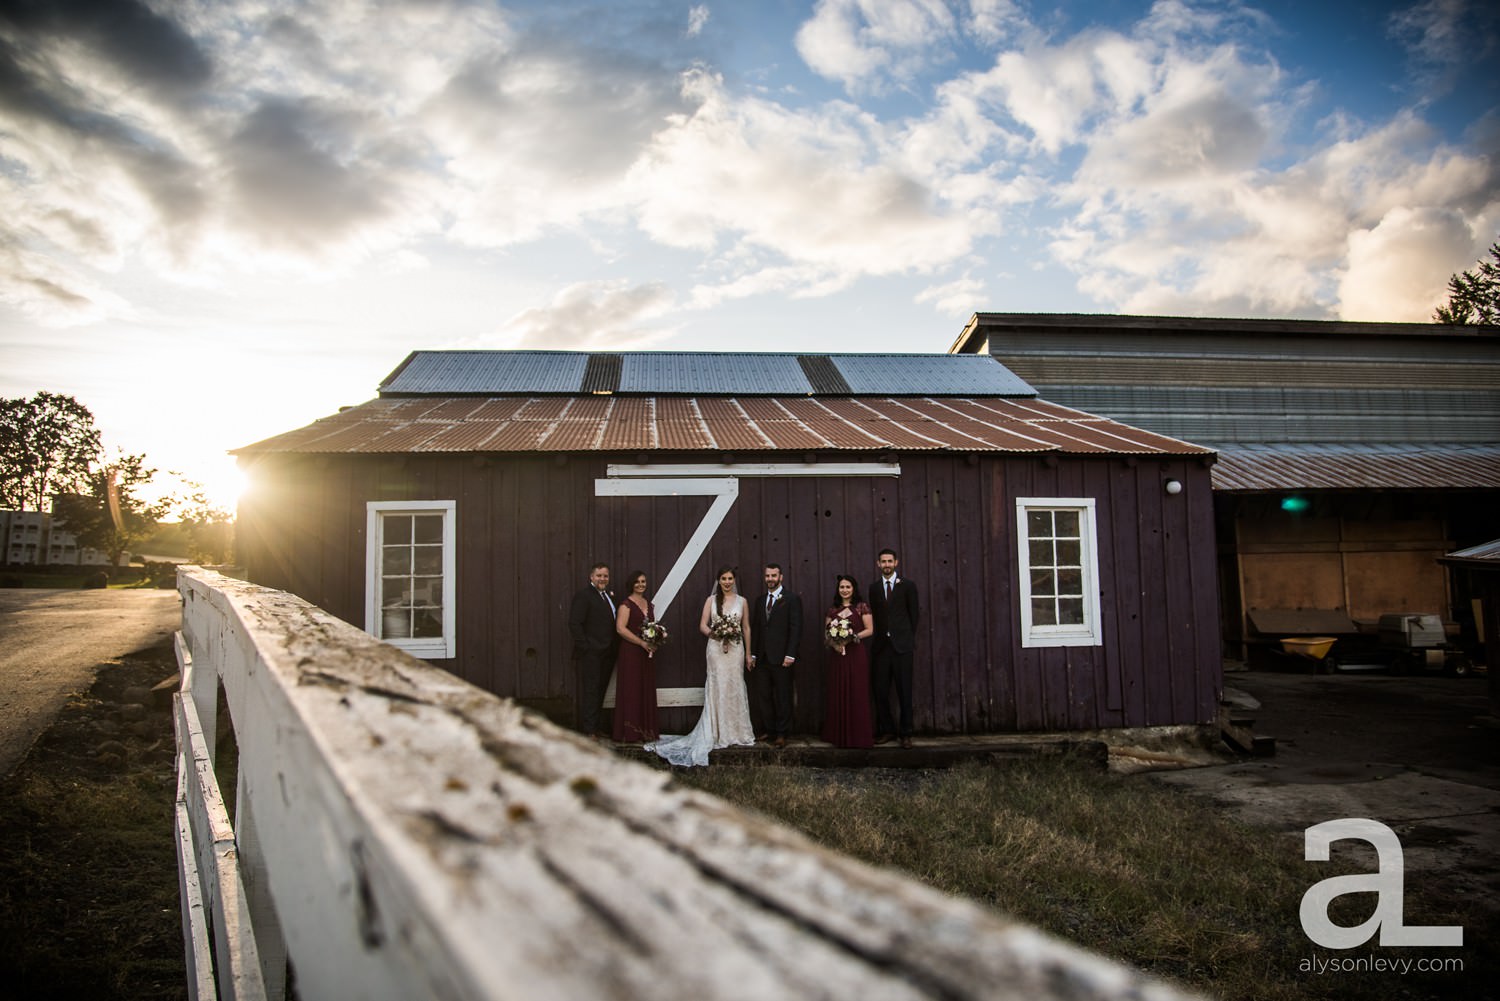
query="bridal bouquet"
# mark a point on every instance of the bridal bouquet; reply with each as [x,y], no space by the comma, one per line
[655,635]
[837,633]
[725,629]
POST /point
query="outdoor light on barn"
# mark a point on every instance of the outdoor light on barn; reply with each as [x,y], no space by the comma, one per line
[1295,504]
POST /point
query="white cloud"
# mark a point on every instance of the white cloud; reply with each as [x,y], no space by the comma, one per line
[957,298]
[697,20]
[862,42]
[1397,269]
[821,188]
[609,315]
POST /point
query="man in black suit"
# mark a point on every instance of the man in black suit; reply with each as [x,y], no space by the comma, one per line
[775,631]
[894,607]
[591,623]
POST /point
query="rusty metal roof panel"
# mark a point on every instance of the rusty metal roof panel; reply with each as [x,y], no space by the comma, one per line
[1356,467]
[748,424]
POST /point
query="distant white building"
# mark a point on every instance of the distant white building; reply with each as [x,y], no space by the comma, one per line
[32,538]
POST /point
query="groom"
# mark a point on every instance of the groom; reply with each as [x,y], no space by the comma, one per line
[775,630]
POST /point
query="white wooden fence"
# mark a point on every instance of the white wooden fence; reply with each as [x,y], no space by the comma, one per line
[400,834]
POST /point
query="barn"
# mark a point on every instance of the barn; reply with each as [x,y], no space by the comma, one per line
[1065,561]
[1351,455]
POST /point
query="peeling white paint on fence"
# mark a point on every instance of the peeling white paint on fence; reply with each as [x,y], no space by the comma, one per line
[420,838]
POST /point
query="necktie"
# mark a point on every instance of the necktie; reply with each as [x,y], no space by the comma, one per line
[770,603]
[611,604]
[887,589]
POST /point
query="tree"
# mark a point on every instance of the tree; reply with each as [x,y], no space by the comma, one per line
[1474,296]
[47,446]
[210,528]
[109,516]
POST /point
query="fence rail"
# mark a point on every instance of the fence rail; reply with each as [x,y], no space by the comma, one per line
[400,834]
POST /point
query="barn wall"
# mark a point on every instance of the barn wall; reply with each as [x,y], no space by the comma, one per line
[529,527]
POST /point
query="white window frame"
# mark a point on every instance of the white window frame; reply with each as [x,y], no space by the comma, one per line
[1090,632]
[434,647]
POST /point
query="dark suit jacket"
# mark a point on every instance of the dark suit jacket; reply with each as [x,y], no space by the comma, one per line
[899,617]
[777,639]
[590,623]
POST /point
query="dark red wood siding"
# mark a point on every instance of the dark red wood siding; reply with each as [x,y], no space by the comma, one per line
[528,528]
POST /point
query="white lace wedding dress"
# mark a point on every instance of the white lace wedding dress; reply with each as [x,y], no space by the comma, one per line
[726,706]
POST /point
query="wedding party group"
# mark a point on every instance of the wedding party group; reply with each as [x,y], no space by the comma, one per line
[750,653]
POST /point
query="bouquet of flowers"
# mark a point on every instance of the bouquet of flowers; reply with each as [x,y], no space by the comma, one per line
[725,629]
[655,635]
[837,632]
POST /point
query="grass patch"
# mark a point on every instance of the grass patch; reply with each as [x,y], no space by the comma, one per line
[88,869]
[1143,873]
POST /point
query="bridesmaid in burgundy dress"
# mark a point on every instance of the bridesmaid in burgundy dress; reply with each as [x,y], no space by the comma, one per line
[635,671]
[848,722]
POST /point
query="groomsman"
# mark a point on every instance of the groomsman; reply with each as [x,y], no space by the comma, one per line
[894,607]
[591,623]
[775,631]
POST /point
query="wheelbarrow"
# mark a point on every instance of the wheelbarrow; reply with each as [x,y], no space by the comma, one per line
[1313,648]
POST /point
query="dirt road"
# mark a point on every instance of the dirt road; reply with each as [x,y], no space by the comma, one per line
[52,643]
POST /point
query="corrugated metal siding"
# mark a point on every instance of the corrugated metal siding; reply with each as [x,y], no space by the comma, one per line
[750,424]
[1349,467]
[1227,383]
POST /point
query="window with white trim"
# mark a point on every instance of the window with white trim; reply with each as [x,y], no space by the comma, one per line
[1059,572]
[409,575]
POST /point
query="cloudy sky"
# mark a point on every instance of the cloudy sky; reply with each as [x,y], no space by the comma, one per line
[221,220]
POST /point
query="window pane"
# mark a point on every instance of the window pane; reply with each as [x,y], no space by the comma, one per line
[427,623]
[395,624]
[1041,582]
[1041,553]
[429,529]
[1038,524]
[1042,612]
[1069,553]
[397,529]
[1070,611]
[395,592]
[1067,524]
[427,560]
[427,592]
[1069,582]
[396,560]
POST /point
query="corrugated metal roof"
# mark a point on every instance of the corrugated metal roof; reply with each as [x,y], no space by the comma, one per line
[456,373]
[718,423]
[1356,467]
[1487,553]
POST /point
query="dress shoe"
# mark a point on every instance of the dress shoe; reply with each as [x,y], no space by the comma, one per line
[884,738]
[906,743]
[779,743]
[762,738]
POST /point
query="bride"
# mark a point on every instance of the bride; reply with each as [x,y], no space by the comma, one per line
[726,708]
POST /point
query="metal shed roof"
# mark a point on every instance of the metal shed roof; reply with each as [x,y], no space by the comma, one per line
[450,373]
[1357,467]
[586,423]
